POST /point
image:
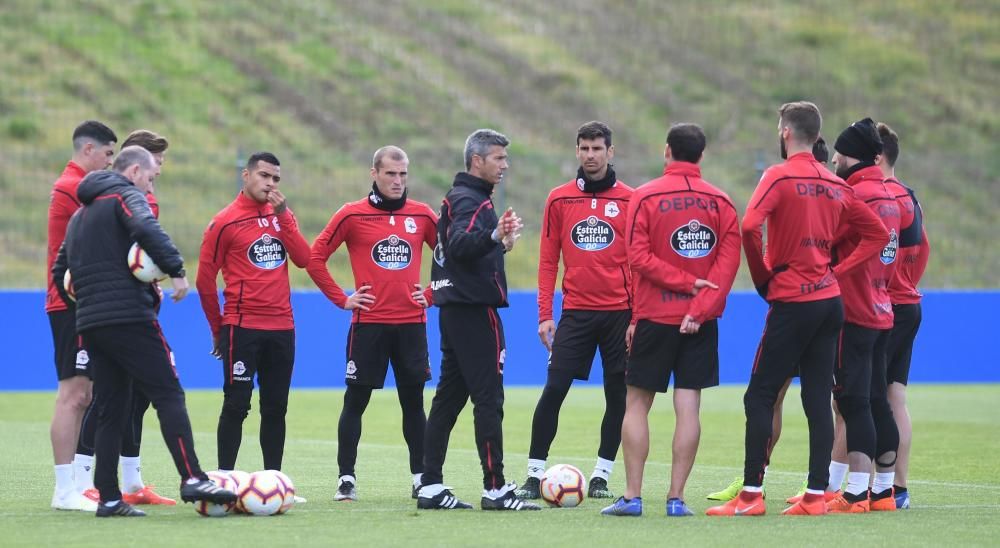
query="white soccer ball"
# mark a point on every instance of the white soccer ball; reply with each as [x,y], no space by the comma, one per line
[563,486]
[286,483]
[68,285]
[142,266]
[263,494]
[240,478]
[210,509]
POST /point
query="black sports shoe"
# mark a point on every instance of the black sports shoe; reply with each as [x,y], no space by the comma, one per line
[415,493]
[444,500]
[530,489]
[206,490]
[120,510]
[509,501]
[346,491]
[599,489]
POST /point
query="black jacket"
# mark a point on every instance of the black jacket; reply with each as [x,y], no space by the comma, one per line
[114,214]
[468,264]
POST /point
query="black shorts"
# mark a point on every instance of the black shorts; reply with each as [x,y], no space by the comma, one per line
[900,348]
[581,332]
[268,354]
[660,349]
[70,356]
[852,370]
[371,346]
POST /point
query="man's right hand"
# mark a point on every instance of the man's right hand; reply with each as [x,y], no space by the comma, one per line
[547,333]
[216,352]
[180,288]
[360,299]
[700,284]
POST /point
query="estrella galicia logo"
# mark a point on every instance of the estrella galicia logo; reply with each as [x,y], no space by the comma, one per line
[267,252]
[392,253]
[693,240]
[592,234]
[888,255]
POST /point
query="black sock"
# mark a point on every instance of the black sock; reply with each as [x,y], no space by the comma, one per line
[850,497]
[898,490]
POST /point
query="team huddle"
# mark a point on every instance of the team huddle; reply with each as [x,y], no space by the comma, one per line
[646,273]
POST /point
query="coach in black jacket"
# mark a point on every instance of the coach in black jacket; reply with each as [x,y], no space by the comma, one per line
[115,316]
[469,284]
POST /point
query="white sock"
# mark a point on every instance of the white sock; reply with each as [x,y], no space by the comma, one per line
[837,472]
[347,478]
[431,490]
[857,482]
[497,493]
[416,479]
[83,472]
[64,478]
[883,481]
[753,489]
[536,468]
[131,474]
[814,491]
[603,469]
[112,503]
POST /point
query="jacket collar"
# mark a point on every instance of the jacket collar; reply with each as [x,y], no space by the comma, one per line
[799,156]
[245,202]
[463,178]
[866,171]
[73,168]
[682,168]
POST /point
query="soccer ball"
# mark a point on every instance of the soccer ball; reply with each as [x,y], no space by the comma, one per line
[68,285]
[212,510]
[142,266]
[286,483]
[240,478]
[263,494]
[563,486]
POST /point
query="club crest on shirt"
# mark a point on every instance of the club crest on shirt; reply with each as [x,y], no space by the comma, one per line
[266,253]
[888,255]
[611,210]
[592,234]
[410,225]
[693,240]
[392,253]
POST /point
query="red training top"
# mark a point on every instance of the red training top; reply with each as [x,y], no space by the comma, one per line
[914,249]
[63,203]
[681,228]
[250,244]
[804,205]
[866,290]
[588,229]
[385,252]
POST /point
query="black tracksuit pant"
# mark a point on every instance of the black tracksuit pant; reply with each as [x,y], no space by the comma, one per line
[794,333]
[472,356]
[136,354]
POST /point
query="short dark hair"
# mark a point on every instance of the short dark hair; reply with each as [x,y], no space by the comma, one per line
[148,140]
[261,157]
[594,130]
[132,155]
[820,151]
[93,131]
[393,152]
[686,142]
[890,143]
[804,119]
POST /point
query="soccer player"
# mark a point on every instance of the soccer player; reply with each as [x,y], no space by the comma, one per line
[469,285]
[822,155]
[913,253]
[803,205]
[584,221]
[860,375]
[93,149]
[384,233]
[115,317]
[250,241]
[684,250]
[135,491]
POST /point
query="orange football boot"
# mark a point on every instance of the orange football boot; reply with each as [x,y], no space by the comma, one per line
[886,503]
[827,497]
[745,504]
[841,505]
[146,495]
[809,505]
[95,496]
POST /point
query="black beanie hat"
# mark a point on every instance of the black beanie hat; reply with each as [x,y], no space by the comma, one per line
[860,141]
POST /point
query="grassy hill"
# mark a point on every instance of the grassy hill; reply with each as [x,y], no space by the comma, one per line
[323,84]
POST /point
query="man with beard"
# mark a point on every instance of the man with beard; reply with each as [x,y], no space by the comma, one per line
[584,221]
[384,233]
[804,206]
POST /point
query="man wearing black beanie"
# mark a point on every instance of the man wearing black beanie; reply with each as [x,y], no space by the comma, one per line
[860,374]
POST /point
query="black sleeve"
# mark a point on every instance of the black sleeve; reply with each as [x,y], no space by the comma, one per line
[468,236]
[143,228]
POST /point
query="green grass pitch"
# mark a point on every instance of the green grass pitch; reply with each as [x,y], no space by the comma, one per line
[955,475]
